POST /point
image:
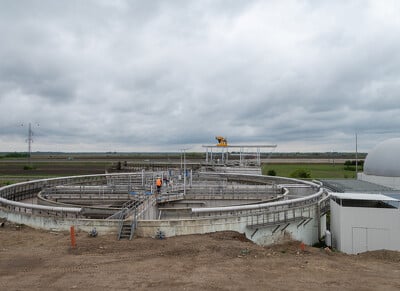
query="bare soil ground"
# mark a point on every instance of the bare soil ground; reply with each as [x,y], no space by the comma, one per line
[42,260]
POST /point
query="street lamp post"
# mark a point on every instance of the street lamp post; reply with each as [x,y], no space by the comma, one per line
[356,156]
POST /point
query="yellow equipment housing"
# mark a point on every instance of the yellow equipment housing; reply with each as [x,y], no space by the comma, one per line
[222,141]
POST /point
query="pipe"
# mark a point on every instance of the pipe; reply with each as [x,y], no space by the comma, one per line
[40,207]
[277,178]
[256,206]
[319,213]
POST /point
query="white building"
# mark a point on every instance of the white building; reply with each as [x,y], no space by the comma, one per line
[364,222]
[365,213]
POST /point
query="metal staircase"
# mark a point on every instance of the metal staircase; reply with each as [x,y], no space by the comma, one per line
[133,209]
[127,227]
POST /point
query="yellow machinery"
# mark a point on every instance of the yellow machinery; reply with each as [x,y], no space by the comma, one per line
[222,142]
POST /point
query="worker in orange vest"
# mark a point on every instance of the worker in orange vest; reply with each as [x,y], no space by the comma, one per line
[158,184]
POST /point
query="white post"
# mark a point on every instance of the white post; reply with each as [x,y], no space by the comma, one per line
[356,156]
[181,161]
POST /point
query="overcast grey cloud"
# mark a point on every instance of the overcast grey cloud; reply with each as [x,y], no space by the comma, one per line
[163,75]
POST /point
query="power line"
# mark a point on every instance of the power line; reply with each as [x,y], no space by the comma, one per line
[29,140]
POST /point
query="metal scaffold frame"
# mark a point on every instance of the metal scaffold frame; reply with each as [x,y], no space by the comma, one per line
[244,150]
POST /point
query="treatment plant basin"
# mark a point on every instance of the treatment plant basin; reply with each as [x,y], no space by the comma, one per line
[265,208]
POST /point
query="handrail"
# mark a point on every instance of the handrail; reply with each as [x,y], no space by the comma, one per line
[46,182]
[277,178]
[40,207]
[256,206]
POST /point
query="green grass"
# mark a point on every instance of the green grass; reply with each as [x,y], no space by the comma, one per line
[18,171]
[13,170]
[317,171]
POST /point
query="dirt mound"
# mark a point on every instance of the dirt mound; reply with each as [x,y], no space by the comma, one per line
[40,260]
[381,255]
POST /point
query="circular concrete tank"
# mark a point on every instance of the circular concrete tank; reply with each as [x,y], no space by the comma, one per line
[264,208]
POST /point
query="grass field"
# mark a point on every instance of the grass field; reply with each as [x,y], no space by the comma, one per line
[45,166]
[317,171]
[12,171]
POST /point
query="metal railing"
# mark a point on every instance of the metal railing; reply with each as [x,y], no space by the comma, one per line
[35,209]
[233,189]
[272,217]
[170,197]
[260,208]
[11,194]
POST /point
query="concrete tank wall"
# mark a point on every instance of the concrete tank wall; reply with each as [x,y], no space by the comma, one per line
[265,235]
[61,224]
[308,233]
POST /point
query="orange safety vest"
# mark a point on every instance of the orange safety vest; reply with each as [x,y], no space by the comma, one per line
[159,182]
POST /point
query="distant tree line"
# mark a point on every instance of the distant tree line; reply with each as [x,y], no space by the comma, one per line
[351,165]
[316,155]
[14,155]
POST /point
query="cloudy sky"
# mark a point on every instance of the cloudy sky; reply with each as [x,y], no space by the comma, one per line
[166,75]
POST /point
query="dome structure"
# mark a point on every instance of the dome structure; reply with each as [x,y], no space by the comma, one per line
[384,159]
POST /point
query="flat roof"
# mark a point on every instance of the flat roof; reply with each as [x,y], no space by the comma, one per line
[354,186]
[364,196]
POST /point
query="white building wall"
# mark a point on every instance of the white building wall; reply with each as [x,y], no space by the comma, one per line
[359,229]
